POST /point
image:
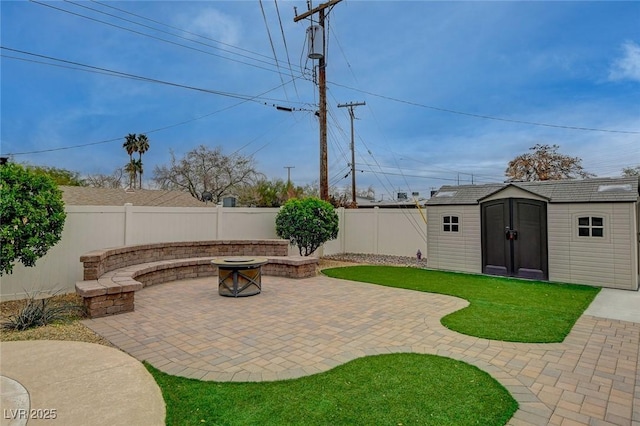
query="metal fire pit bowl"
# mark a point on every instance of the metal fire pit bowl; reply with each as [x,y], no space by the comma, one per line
[239,276]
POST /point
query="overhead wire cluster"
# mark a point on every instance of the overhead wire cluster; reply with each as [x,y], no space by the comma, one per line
[107,14]
[375,167]
[139,26]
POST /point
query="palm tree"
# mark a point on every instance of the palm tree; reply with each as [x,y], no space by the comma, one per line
[130,145]
[137,167]
[131,168]
[142,144]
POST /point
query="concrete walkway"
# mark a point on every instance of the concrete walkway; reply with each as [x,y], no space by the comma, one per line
[616,304]
[301,327]
[47,382]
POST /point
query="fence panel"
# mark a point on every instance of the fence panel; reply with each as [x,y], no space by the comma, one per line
[156,225]
[250,223]
[376,231]
[401,232]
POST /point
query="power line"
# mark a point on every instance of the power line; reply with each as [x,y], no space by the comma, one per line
[286,49]
[351,106]
[184,31]
[149,132]
[486,117]
[273,49]
[143,79]
[481,116]
[114,73]
[402,172]
[406,175]
[410,218]
[152,36]
[110,74]
[388,191]
[243,100]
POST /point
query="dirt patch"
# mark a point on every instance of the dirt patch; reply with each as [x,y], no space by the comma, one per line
[330,263]
[68,328]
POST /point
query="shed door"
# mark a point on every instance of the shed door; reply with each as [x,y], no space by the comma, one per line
[514,238]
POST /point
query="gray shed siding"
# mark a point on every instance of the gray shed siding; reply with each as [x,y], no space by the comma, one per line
[605,262]
[454,251]
[609,261]
[513,192]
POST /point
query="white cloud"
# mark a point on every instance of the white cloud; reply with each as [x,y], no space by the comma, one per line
[214,24]
[627,67]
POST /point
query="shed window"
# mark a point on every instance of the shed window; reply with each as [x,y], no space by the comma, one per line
[450,224]
[590,226]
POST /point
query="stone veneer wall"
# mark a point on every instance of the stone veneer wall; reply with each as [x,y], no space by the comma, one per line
[287,270]
[109,304]
[98,262]
[113,275]
[175,274]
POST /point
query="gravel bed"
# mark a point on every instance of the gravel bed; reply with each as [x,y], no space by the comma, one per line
[377,259]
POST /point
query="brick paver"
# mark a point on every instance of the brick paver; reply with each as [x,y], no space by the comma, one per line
[301,327]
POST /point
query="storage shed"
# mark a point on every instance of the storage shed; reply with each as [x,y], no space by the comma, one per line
[573,231]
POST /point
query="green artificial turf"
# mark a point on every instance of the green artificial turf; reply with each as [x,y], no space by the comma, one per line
[500,308]
[393,389]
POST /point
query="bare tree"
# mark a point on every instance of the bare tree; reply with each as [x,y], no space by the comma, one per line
[369,193]
[545,163]
[113,180]
[631,171]
[205,170]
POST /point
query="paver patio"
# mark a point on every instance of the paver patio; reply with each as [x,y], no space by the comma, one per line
[300,327]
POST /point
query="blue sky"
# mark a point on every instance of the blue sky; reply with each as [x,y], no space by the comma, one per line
[451,88]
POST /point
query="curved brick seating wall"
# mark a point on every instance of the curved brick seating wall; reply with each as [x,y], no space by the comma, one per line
[97,262]
[112,276]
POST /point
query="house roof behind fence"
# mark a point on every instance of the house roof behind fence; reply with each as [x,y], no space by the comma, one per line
[560,191]
[88,196]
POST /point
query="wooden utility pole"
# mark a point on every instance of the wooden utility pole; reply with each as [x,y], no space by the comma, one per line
[351,105]
[289,174]
[322,88]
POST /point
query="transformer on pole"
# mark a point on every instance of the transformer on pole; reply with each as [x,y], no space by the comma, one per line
[317,52]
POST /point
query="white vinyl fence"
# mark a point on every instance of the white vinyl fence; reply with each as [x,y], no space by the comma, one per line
[379,231]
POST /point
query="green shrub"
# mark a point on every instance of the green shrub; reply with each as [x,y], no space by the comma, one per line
[31,216]
[307,223]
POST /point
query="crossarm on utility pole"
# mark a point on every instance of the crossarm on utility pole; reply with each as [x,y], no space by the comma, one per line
[316,10]
[351,105]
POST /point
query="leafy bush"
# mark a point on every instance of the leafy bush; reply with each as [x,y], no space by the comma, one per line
[307,223]
[38,312]
[31,216]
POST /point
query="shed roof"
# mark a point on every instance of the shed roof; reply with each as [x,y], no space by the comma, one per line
[596,190]
[88,196]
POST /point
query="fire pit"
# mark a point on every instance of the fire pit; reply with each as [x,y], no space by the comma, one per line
[239,276]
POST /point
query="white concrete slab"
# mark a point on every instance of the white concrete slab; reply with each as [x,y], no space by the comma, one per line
[79,384]
[622,305]
[14,400]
